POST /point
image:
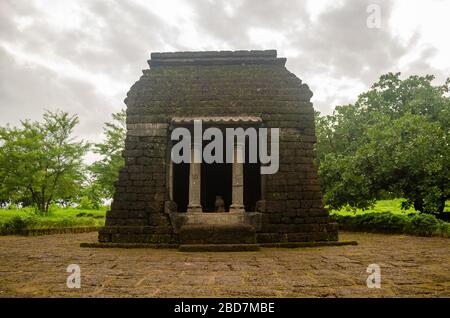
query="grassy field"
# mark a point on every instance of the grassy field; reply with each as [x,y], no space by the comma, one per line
[26,218]
[394,206]
[385,216]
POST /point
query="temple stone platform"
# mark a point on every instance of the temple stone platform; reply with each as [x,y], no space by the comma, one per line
[224,231]
[217,219]
[217,234]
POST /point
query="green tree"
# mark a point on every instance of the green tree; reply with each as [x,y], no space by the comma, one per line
[40,161]
[90,197]
[394,139]
[106,170]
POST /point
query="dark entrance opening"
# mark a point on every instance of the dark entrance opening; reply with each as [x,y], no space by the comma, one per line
[252,181]
[181,185]
[252,186]
[216,180]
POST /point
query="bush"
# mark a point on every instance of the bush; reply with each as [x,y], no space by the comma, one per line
[422,224]
[17,223]
[387,222]
[87,203]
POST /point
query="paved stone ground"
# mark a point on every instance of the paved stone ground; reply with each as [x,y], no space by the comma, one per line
[410,267]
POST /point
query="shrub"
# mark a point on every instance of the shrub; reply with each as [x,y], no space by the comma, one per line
[17,223]
[422,224]
[87,202]
[387,222]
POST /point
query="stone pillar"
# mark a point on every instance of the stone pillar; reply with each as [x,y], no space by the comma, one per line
[237,202]
[194,180]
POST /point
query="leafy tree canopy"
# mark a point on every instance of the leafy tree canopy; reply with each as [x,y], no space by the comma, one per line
[394,139]
[106,170]
[40,162]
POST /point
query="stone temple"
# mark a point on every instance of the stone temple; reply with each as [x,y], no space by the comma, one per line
[159,202]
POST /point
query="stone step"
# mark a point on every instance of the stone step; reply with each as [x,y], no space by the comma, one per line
[217,234]
[218,247]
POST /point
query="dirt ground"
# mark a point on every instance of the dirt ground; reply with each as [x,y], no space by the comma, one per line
[410,267]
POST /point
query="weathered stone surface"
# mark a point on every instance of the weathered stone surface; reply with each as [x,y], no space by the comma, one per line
[410,267]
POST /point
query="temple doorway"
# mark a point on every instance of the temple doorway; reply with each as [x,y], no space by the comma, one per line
[217,179]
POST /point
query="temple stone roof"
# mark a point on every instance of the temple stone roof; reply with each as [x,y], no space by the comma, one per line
[222,83]
[215,58]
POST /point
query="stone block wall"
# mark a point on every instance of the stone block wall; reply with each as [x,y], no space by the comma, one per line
[250,83]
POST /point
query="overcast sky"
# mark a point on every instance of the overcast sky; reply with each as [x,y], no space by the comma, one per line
[83,55]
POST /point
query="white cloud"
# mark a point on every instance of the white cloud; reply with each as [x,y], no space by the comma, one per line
[317,7]
[264,38]
[430,20]
[84,55]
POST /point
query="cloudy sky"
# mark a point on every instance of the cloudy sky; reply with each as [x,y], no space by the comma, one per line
[83,55]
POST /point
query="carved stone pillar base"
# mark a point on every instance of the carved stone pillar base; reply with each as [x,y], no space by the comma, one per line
[194,208]
[235,208]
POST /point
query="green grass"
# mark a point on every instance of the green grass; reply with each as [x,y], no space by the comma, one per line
[26,218]
[393,206]
[386,216]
